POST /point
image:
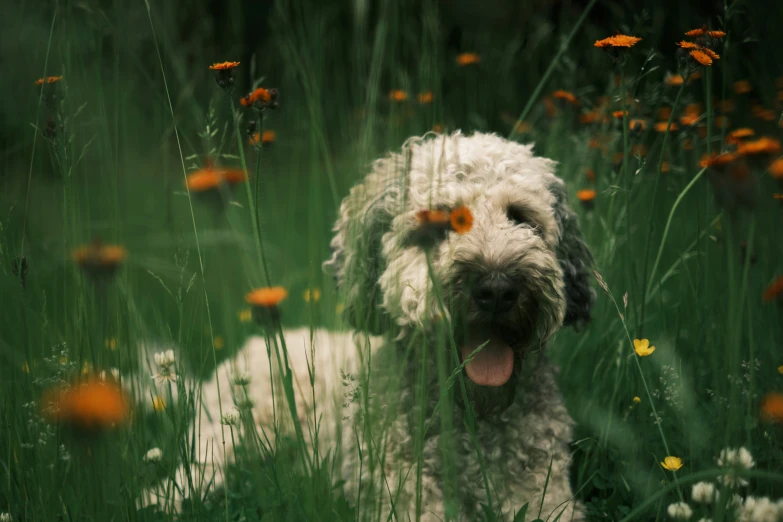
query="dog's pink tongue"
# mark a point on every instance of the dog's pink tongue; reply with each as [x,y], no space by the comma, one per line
[492,365]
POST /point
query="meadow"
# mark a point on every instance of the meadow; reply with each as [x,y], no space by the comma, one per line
[144,195]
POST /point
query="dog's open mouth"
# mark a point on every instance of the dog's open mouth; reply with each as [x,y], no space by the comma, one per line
[493,365]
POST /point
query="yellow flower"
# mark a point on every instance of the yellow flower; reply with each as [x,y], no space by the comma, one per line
[158,403]
[218,342]
[110,343]
[312,294]
[672,463]
[637,400]
[245,315]
[780,370]
[642,347]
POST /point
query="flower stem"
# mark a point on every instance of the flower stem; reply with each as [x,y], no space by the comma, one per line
[659,170]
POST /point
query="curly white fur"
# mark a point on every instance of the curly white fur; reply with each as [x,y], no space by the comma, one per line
[523,430]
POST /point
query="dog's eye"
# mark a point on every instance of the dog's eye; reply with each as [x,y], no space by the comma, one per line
[517,216]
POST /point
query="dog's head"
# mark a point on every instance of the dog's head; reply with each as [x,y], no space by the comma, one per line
[508,284]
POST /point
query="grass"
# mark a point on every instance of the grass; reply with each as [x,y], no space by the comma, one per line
[137,110]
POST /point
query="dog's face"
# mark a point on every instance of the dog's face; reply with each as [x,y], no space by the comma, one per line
[506,285]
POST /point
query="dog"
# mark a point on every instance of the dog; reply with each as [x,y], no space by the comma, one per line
[440,403]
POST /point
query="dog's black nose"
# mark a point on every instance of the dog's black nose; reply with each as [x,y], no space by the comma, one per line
[495,293]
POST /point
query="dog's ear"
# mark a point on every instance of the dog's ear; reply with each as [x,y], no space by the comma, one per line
[357,260]
[575,259]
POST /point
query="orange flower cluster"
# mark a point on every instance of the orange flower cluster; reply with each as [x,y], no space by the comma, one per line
[435,224]
[210,178]
[700,50]
[93,404]
[618,40]
[98,259]
[465,59]
[48,79]
[261,99]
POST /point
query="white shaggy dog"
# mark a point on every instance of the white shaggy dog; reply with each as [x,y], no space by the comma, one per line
[463,318]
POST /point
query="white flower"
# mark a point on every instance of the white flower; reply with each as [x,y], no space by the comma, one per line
[230,418]
[153,455]
[679,511]
[241,379]
[5,517]
[738,459]
[758,510]
[703,492]
[114,372]
[165,361]
[734,502]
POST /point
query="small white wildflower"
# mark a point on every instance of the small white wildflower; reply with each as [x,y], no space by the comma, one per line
[734,502]
[153,455]
[114,372]
[738,459]
[703,492]
[230,418]
[5,517]
[165,361]
[679,511]
[758,510]
[241,379]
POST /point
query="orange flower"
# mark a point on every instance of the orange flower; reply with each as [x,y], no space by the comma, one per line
[268,137]
[49,79]
[210,178]
[99,259]
[665,166]
[461,219]
[637,125]
[589,117]
[224,74]
[742,87]
[764,114]
[777,196]
[619,40]
[425,97]
[702,57]
[772,407]
[223,66]
[468,59]
[776,169]
[267,297]
[703,31]
[673,79]
[718,161]
[763,145]
[432,217]
[737,135]
[92,404]
[586,196]
[619,114]
[398,95]
[688,45]
[565,95]
[691,114]
[261,98]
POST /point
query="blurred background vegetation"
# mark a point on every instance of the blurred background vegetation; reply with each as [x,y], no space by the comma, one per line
[128,122]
